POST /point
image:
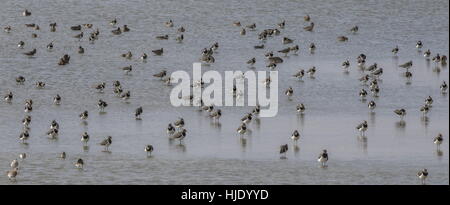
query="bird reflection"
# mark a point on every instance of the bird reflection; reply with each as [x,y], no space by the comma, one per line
[243,142]
[439,153]
[85,148]
[257,122]
[408,81]
[425,121]
[216,124]
[180,147]
[372,118]
[400,124]
[296,149]
[362,142]
[301,118]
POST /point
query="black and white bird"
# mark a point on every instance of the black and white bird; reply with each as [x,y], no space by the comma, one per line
[295,136]
[57,99]
[170,129]
[26,121]
[429,101]
[21,44]
[310,27]
[158,52]
[427,54]
[9,97]
[436,58]
[62,155]
[419,44]
[438,140]
[289,92]
[301,108]
[180,38]
[342,38]
[375,90]
[364,79]
[372,105]
[127,55]
[346,64]
[406,65]
[312,47]
[162,37]
[372,67]
[102,105]
[106,143]
[100,86]
[243,31]
[54,125]
[299,74]
[113,22]
[40,84]
[161,74]
[79,36]
[117,31]
[443,87]
[424,109]
[395,50]
[378,72]
[24,136]
[323,158]
[179,123]
[80,50]
[7,29]
[423,174]
[79,163]
[85,138]
[251,26]
[242,129]
[354,29]
[362,127]
[287,40]
[401,113]
[84,115]
[169,23]
[311,71]
[256,110]
[53,133]
[28,107]
[144,57]
[180,135]
[251,62]
[26,13]
[20,80]
[148,149]
[216,114]
[127,69]
[362,93]
[50,46]
[281,24]
[247,118]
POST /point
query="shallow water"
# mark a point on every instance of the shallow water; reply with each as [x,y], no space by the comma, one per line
[212,153]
